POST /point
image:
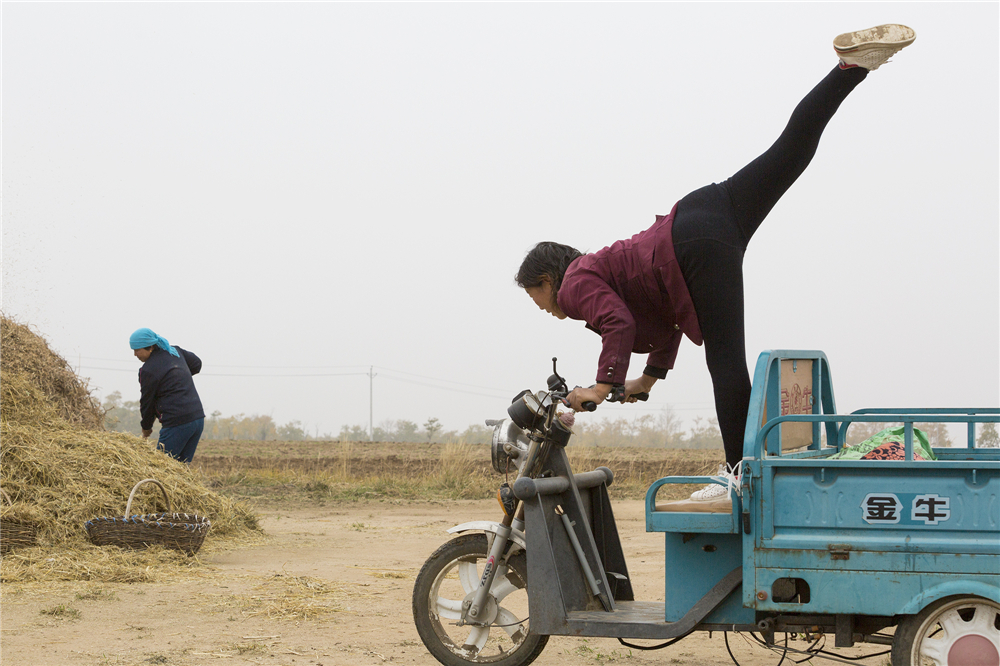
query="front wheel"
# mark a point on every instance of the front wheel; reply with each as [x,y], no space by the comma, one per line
[955,631]
[449,577]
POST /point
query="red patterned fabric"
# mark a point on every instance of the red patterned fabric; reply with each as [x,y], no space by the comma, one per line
[889,451]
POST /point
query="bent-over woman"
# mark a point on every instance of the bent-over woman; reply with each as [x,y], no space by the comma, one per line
[684,275]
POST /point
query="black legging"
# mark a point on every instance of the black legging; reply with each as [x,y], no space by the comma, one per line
[711,230]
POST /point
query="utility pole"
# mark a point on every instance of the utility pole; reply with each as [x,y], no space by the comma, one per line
[371,424]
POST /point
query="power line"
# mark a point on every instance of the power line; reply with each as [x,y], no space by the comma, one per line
[223,374]
[446,388]
[497,393]
[504,391]
[222,365]
[326,374]
[438,379]
[292,367]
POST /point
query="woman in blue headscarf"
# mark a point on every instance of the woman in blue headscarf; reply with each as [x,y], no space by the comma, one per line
[168,393]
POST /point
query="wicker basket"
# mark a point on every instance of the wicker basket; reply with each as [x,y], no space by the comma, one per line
[16,532]
[181,531]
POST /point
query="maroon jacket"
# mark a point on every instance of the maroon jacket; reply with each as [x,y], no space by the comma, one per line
[633,294]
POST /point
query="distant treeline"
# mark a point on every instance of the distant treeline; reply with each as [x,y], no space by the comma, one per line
[123,416]
[663,430]
[648,430]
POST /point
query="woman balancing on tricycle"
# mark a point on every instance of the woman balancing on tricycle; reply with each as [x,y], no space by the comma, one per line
[684,275]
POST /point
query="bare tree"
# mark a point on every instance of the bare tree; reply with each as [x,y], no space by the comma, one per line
[988,436]
[432,426]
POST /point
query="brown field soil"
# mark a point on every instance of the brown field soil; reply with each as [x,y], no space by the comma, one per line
[331,585]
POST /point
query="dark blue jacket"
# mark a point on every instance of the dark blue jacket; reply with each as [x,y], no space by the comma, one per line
[168,391]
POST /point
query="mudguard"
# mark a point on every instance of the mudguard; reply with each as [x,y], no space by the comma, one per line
[490,527]
[951,588]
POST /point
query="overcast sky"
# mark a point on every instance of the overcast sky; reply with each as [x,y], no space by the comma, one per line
[300,192]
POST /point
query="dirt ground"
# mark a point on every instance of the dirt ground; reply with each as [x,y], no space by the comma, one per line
[348,568]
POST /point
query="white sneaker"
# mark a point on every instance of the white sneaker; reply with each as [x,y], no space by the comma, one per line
[714,491]
[872,47]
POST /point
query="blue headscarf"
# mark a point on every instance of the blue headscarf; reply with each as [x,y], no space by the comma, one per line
[143,337]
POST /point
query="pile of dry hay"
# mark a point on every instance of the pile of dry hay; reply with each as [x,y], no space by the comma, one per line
[61,468]
[24,353]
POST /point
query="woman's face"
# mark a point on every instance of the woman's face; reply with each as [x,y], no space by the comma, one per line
[544,297]
[143,354]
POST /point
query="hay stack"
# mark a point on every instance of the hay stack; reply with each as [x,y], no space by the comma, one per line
[23,352]
[61,469]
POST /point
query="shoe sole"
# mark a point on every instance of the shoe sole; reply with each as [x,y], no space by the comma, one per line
[889,37]
[713,498]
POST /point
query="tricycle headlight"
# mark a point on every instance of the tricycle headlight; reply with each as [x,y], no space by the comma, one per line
[509,446]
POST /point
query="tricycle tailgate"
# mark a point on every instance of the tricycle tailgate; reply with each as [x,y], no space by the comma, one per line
[890,506]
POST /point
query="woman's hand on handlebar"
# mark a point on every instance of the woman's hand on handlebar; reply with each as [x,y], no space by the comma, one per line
[640,385]
[596,394]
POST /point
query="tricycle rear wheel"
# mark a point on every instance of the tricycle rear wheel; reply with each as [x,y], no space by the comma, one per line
[954,631]
[448,578]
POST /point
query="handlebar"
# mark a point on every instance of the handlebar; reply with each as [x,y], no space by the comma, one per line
[617,395]
[557,385]
[589,405]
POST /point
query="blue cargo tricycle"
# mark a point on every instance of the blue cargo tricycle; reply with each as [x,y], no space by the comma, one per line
[806,542]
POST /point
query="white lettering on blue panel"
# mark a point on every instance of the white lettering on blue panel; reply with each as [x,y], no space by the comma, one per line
[881,509]
[932,509]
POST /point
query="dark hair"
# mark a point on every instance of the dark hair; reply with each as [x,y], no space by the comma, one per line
[547,259]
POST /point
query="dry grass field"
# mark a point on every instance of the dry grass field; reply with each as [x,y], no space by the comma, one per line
[273,472]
